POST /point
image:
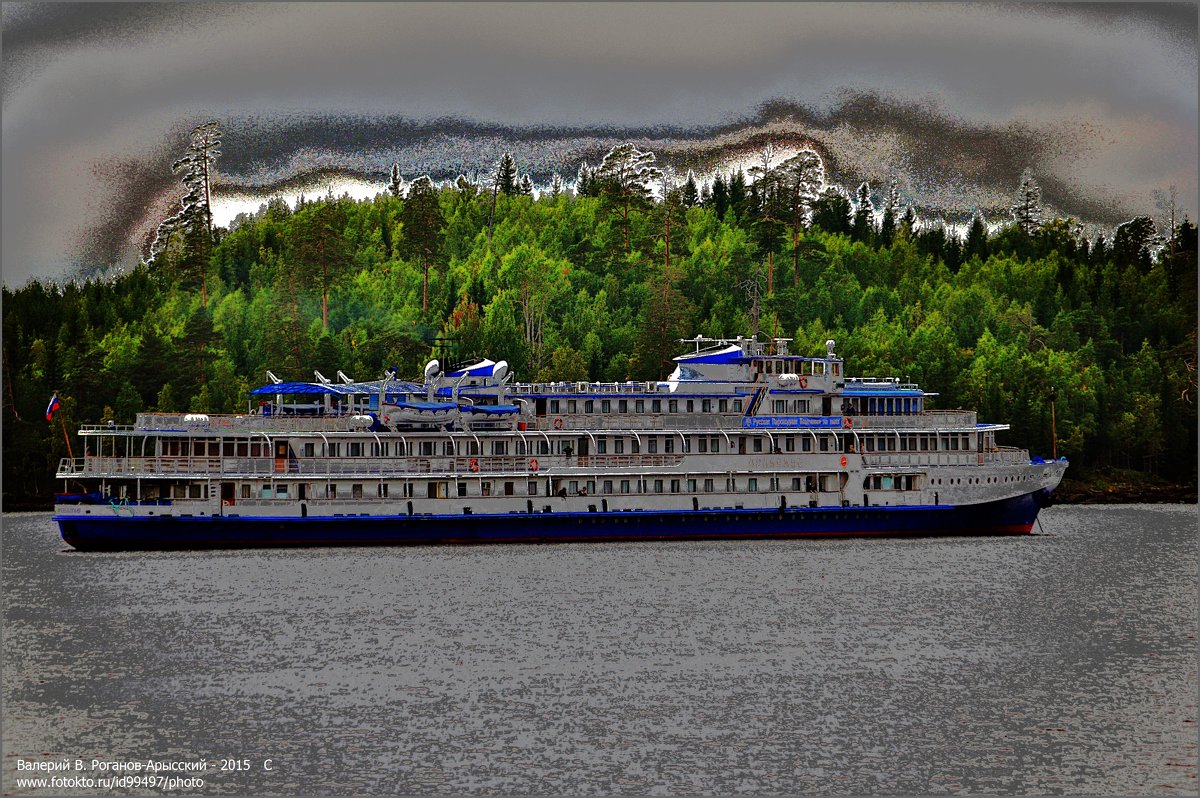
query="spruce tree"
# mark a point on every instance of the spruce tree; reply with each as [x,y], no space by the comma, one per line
[506,175]
[396,186]
[1028,211]
[690,195]
[864,214]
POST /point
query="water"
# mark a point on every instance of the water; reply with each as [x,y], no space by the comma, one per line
[1062,663]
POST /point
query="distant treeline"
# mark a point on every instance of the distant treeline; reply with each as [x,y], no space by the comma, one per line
[601,281]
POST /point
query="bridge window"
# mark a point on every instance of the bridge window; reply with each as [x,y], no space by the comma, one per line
[639,406]
[737,405]
[571,405]
[623,406]
[605,405]
[656,405]
[706,405]
[589,406]
[691,406]
[554,405]
[672,405]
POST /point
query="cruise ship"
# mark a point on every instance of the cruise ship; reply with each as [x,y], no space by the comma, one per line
[742,440]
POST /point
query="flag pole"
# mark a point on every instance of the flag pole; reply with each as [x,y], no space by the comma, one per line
[66,437]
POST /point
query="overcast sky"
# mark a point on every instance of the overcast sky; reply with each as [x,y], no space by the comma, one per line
[950,101]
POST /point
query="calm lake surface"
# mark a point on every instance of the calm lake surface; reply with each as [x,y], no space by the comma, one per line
[1055,663]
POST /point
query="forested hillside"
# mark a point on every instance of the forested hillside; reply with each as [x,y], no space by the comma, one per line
[601,283]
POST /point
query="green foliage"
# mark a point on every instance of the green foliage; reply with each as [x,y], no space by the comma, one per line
[577,287]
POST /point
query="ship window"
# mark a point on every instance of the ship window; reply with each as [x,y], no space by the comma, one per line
[426,448]
[356,448]
[652,445]
[355,491]
[509,488]
[672,405]
[706,405]
[532,487]
[639,406]
[891,443]
[485,488]
[708,485]
[691,406]
[687,445]
[774,483]
[722,405]
[806,444]
[499,447]
[605,405]
[966,442]
[308,450]
[245,491]
[658,486]
[608,486]
[602,446]
[703,442]
[836,369]
[789,444]
[770,366]
[954,443]
[668,445]
[737,405]
[331,491]
[570,405]
[887,483]
[622,405]
[591,486]
[573,487]
[624,486]
[757,444]
[554,405]
[752,484]
[674,486]
[869,443]
[714,445]
[656,405]
[461,489]
[589,406]
[691,486]
[619,446]
[798,484]
[824,443]
[780,406]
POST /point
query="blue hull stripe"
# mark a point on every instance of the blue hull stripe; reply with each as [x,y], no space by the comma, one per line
[100,533]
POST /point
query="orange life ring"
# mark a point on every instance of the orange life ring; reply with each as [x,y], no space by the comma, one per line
[533,464]
[558,423]
[474,464]
[843,461]
[847,422]
[804,382]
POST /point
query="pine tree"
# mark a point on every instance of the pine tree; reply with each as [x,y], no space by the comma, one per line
[737,193]
[690,194]
[801,179]
[193,222]
[625,177]
[891,209]
[864,214]
[525,188]
[396,186]
[1028,211]
[556,186]
[422,217]
[720,196]
[976,245]
[506,175]
[583,180]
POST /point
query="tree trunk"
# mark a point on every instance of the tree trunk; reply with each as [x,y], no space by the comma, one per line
[796,255]
[770,272]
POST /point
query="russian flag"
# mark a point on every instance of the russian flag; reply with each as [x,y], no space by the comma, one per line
[53,406]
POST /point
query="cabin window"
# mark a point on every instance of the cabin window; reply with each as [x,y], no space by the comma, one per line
[652,445]
[770,367]
[780,406]
[797,483]
[656,405]
[806,444]
[752,484]
[706,405]
[499,447]
[966,442]
[573,487]
[382,490]
[485,488]
[737,405]
[954,443]
[774,483]
[591,486]
[870,443]
[757,444]
[708,485]
[605,406]
[691,486]
[714,445]
[532,487]
[789,444]
[356,491]
[245,491]
[619,446]
[674,486]
[426,448]
[589,406]
[672,405]
[668,445]
[608,486]
[722,405]
[639,406]
[658,486]
[624,486]
[461,489]
[622,405]
[509,488]
[331,491]
[691,406]
[824,443]
[602,446]
[554,405]
[703,443]
[308,450]
[687,445]
[356,448]
[571,405]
